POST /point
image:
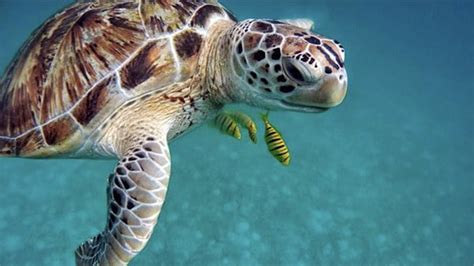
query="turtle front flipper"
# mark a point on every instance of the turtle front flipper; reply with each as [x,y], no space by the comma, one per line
[135,195]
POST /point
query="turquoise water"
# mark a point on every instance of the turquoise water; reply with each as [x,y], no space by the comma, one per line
[384,179]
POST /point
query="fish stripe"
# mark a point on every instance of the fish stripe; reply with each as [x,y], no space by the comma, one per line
[247,122]
[227,125]
[278,148]
[270,133]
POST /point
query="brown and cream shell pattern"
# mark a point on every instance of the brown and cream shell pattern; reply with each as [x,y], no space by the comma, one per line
[87,60]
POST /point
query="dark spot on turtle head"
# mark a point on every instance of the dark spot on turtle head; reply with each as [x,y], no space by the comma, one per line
[305,58]
[250,81]
[281,78]
[240,49]
[277,68]
[243,60]
[265,68]
[313,40]
[272,40]
[264,81]
[267,90]
[276,54]
[253,74]
[287,88]
[130,205]
[336,42]
[259,55]
[261,27]
[327,70]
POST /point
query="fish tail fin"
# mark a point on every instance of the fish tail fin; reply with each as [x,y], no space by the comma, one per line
[265,115]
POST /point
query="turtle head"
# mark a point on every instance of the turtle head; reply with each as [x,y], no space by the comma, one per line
[280,65]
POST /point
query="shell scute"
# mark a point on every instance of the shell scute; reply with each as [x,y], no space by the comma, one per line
[188,45]
[30,143]
[100,98]
[65,58]
[89,59]
[59,130]
[160,16]
[93,48]
[203,15]
[152,67]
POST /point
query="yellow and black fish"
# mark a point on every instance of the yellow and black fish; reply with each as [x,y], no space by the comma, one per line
[227,125]
[275,143]
[246,121]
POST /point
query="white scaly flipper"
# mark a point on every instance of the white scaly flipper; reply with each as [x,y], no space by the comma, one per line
[304,23]
[135,195]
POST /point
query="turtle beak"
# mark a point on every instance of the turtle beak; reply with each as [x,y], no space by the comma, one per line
[328,92]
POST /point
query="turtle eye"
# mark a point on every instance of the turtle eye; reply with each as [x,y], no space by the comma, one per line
[293,72]
[298,71]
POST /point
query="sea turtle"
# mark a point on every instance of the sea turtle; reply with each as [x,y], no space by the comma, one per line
[121,79]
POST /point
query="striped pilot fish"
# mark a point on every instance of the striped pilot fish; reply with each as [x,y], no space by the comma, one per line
[247,122]
[227,125]
[275,143]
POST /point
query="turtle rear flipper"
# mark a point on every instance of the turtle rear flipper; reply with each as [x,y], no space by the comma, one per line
[135,194]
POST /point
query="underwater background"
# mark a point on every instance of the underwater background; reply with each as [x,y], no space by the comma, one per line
[387,178]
